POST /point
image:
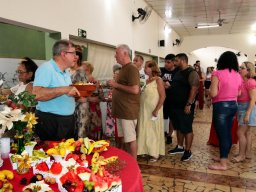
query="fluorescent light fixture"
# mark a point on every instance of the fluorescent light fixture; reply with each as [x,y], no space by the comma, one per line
[207,26]
[168,13]
[167,29]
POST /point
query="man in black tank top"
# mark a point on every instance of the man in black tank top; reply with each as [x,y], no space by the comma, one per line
[184,89]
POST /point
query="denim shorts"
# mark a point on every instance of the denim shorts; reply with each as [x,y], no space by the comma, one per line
[242,108]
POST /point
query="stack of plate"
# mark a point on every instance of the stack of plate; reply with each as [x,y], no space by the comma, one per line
[1,162]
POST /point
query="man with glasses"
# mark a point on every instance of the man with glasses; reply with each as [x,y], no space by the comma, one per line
[56,103]
[167,74]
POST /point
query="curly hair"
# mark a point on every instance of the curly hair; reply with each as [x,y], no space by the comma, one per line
[30,66]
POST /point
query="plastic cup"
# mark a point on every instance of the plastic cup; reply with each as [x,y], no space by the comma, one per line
[5,147]
[29,148]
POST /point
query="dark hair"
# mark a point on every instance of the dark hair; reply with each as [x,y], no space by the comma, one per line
[30,66]
[139,56]
[169,57]
[197,61]
[228,60]
[182,56]
[79,53]
[154,67]
[199,72]
[61,45]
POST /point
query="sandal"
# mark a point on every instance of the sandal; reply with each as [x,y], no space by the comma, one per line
[238,159]
[153,159]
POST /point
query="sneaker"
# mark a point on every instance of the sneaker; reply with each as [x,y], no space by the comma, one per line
[186,156]
[168,140]
[176,150]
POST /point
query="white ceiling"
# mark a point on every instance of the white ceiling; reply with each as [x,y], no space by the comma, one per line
[239,15]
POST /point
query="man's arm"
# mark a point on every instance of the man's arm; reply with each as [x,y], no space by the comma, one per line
[194,85]
[45,94]
[133,89]
[214,86]
[194,82]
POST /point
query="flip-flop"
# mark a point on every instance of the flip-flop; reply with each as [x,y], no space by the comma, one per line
[152,160]
[248,157]
[217,167]
[237,160]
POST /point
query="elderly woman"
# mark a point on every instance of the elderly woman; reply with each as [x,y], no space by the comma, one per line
[246,111]
[82,114]
[95,128]
[150,125]
[26,74]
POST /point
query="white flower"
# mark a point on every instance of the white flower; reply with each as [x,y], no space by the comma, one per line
[8,116]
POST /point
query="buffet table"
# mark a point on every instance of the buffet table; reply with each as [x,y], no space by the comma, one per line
[130,174]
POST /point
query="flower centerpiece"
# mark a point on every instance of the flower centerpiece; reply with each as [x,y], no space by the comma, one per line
[18,114]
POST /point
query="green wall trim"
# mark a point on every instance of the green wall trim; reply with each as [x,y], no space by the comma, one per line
[18,42]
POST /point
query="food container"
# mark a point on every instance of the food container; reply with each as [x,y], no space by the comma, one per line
[86,89]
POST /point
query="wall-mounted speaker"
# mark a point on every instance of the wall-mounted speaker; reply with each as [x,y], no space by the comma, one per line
[161,43]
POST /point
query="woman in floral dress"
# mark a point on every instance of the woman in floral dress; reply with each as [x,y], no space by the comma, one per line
[95,127]
[82,114]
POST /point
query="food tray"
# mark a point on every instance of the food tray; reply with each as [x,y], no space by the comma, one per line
[85,90]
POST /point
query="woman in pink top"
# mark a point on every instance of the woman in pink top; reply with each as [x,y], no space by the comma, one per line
[225,88]
[246,111]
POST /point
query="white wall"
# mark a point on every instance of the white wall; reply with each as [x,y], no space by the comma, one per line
[208,55]
[239,42]
[107,21]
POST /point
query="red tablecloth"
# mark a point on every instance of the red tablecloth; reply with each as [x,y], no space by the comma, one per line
[213,139]
[130,174]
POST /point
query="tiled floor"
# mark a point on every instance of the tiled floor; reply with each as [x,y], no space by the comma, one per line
[170,174]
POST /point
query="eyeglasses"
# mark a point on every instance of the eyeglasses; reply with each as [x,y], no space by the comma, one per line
[241,67]
[71,52]
[21,72]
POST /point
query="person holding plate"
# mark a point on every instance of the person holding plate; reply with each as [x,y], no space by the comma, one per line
[55,96]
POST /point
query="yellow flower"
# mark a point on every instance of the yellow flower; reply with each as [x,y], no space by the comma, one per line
[30,118]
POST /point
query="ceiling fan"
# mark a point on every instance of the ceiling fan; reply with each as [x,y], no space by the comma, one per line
[143,14]
[219,23]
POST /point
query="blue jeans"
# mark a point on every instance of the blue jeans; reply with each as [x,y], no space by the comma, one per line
[223,115]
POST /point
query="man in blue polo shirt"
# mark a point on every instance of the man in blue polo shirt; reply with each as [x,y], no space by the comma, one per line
[55,96]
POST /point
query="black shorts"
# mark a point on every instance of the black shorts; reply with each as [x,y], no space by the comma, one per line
[54,127]
[182,121]
[167,109]
[207,84]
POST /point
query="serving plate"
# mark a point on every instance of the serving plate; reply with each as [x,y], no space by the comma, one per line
[85,90]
